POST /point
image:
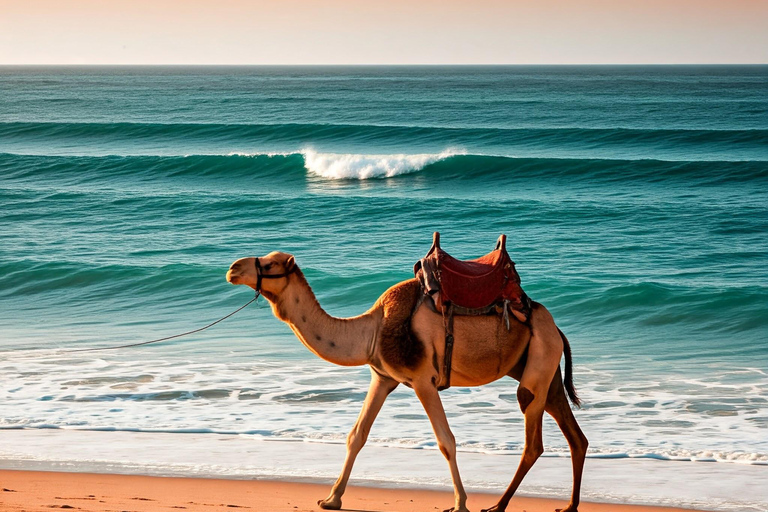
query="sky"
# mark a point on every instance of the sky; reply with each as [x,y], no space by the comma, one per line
[383,32]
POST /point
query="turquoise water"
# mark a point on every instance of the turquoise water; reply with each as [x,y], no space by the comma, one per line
[635,200]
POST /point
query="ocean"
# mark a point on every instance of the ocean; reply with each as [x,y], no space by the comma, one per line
[635,199]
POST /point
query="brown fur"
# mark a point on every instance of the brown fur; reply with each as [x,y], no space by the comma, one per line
[396,344]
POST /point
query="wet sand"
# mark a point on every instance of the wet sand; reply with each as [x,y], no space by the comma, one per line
[38,491]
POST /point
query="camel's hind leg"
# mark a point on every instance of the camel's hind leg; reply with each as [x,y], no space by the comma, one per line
[533,410]
[559,408]
[544,352]
[378,391]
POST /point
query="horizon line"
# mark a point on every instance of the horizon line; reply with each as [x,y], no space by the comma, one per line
[136,64]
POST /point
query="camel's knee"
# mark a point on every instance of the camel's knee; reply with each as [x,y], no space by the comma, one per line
[575,436]
[448,451]
[447,444]
[533,451]
[524,397]
[582,443]
[357,438]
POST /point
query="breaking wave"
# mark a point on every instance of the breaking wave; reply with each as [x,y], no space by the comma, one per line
[352,166]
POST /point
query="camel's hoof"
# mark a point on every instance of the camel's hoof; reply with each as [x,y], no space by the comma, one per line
[454,509]
[329,504]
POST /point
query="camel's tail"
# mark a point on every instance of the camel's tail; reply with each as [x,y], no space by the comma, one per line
[569,372]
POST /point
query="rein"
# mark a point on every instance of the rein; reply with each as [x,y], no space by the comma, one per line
[171,337]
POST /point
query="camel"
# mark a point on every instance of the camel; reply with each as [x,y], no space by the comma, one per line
[402,340]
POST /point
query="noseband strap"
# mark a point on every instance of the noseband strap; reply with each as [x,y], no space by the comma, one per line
[260,275]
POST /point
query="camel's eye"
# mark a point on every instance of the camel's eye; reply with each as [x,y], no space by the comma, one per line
[268,266]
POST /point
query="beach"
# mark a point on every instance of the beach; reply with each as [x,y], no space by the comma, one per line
[30,491]
[220,457]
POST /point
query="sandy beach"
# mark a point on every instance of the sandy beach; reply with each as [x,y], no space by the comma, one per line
[34,490]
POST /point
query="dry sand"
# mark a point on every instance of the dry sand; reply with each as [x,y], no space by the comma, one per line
[37,491]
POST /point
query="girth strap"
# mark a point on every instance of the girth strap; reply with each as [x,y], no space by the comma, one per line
[448,324]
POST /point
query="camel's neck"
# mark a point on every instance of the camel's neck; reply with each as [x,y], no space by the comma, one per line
[343,341]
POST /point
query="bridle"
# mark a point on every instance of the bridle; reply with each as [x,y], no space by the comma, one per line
[260,275]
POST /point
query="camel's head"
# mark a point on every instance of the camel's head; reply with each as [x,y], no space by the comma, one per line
[268,274]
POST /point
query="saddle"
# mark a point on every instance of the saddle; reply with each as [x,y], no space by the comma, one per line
[483,286]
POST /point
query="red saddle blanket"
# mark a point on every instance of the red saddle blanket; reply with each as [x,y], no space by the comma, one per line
[474,284]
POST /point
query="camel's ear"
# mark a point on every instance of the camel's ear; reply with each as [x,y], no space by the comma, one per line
[290,263]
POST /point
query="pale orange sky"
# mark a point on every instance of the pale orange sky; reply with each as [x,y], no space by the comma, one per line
[382,32]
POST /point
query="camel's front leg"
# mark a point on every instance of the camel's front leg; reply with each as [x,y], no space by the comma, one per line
[378,391]
[430,399]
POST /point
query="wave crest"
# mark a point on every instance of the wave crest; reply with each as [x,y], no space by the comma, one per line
[342,166]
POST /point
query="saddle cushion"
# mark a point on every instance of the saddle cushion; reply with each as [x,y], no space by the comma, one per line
[471,284]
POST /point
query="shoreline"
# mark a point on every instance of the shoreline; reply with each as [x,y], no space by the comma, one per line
[640,482]
[23,490]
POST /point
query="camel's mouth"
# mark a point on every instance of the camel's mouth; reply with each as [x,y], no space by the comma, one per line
[232,279]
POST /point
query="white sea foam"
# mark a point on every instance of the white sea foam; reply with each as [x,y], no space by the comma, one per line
[270,154]
[361,166]
[681,419]
[344,166]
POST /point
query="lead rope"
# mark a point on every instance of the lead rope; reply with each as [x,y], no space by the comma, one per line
[170,337]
